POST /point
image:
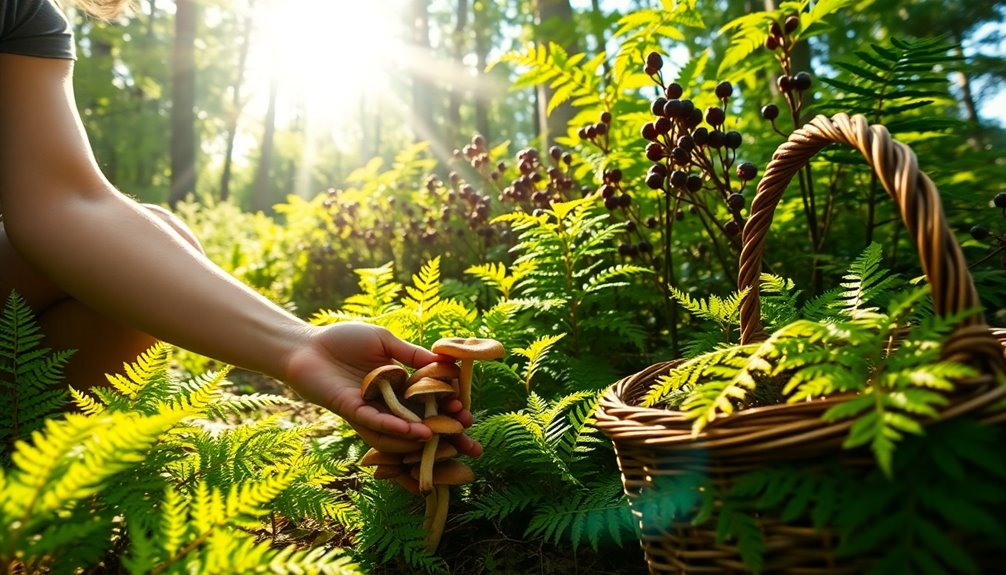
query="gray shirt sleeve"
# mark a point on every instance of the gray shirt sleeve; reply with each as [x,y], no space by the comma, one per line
[35,28]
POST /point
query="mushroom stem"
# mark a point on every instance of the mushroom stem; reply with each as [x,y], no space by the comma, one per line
[433,536]
[465,383]
[426,464]
[393,404]
[431,510]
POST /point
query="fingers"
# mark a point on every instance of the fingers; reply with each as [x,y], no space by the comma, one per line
[466,445]
[405,352]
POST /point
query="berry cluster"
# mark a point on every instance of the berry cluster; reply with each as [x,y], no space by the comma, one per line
[597,134]
[693,151]
[780,42]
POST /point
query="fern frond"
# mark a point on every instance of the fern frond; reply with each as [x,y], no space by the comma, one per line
[535,354]
[587,514]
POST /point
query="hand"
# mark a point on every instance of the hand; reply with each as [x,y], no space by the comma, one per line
[327,370]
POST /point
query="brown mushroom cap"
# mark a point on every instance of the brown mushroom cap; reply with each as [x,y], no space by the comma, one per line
[444,451]
[387,471]
[443,424]
[429,386]
[468,347]
[449,472]
[442,370]
[395,375]
[375,457]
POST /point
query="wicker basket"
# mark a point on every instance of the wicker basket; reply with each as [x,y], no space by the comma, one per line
[654,443]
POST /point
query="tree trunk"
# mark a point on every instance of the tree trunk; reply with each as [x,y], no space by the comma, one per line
[263,184]
[453,127]
[236,104]
[554,23]
[967,96]
[422,99]
[482,47]
[183,102]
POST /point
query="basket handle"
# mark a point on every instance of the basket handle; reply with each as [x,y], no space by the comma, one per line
[896,167]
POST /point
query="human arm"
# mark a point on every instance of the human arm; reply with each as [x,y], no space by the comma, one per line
[64,217]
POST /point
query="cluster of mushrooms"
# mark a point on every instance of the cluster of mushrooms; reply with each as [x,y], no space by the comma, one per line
[432,470]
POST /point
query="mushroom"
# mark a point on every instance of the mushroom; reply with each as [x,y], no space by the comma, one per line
[445,474]
[375,457]
[467,350]
[385,381]
[442,370]
[429,389]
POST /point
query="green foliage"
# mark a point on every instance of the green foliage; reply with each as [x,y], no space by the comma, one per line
[887,82]
[28,374]
[158,473]
[545,467]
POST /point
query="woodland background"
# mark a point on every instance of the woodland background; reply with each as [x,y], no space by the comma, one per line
[436,174]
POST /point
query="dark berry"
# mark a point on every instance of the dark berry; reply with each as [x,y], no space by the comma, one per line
[607,191]
[715,139]
[700,136]
[654,152]
[644,247]
[611,203]
[615,175]
[715,116]
[1000,200]
[630,226]
[785,83]
[680,156]
[555,152]
[657,106]
[605,117]
[624,200]
[567,158]
[679,179]
[686,142]
[775,29]
[672,108]
[654,181]
[771,43]
[650,70]
[724,90]
[733,139]
[679,215]
[659,169]
[674,91]
[735,201]
[663,125]
[747,171]
[695,119]
[654,60]
[979,232]
[694,183]
[801,81]
[732,228]
[792,23]
[625,249]
[770,111]
[686,108]
[649,131]
[651,222]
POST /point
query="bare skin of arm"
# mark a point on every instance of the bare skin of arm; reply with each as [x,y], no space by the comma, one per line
[102,248]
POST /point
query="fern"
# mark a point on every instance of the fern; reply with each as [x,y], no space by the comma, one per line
[535,354]
[29,374]
[571,77]
[890,83]
[587,514]
[495,275]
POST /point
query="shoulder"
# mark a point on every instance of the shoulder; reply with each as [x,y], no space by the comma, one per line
[35,28]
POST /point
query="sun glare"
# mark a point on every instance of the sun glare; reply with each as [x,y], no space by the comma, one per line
[329,55]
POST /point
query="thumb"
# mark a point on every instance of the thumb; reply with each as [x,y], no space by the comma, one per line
[405,352]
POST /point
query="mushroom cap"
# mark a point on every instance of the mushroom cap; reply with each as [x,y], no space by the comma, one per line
[427,386]
[443,424]
[375,457]
[392,373]
[468,347]
[445,450]
[387,471]
[448,472]
[442,370]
